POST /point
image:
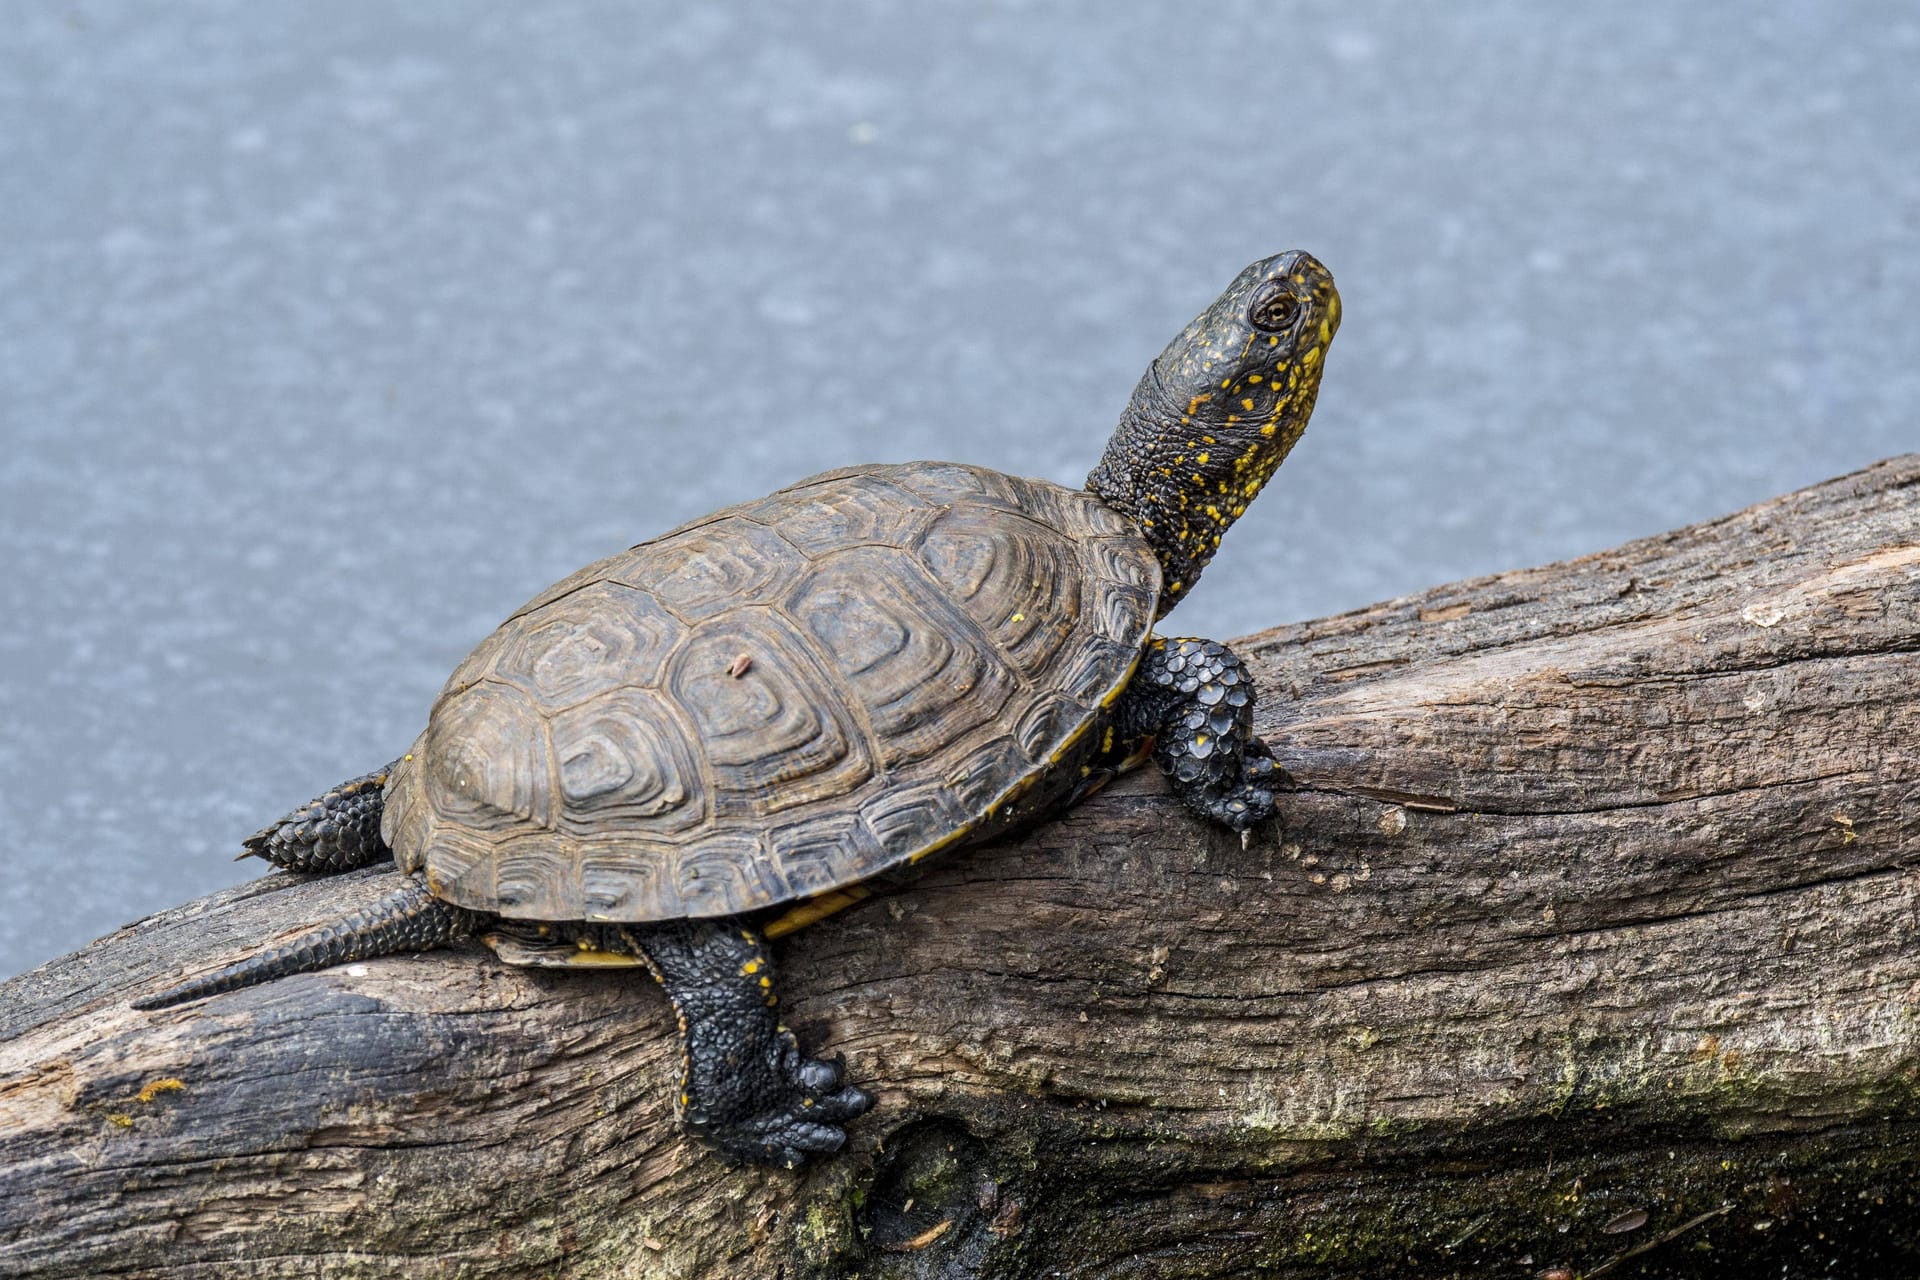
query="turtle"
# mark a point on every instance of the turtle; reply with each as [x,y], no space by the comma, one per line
[737,728]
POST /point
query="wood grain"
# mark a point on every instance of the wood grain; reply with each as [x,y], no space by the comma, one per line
[1593,940]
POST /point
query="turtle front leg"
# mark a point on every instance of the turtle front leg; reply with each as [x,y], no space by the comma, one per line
[746,1089]
[1194,700]
[335,832]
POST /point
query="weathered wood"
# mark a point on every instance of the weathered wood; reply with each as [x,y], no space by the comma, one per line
[1594,935]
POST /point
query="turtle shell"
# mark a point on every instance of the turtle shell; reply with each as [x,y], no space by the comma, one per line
[782,698]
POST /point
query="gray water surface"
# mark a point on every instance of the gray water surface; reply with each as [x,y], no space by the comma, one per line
[330,333]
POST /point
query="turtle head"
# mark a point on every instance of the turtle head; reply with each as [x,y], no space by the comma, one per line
[1217,411]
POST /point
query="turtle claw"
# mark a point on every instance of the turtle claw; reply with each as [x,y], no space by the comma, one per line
[805,1106]
[845,1105]
[1243,807]
[1251,802]
[817,1075]
[805,1124]
[804,1141]
[821,1139]
[1257,767]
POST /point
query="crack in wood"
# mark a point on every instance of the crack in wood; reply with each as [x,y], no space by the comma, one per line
[1475,1038]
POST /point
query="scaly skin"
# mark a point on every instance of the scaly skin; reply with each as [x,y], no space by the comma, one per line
[408,919]
[746,1089]
[1215,415]
[1192,701]
[334,832]
[1209,423]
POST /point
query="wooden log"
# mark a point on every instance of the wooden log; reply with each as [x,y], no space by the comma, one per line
[1592,941]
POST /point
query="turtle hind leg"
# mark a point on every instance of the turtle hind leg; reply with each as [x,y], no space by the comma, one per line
[746,1089]
[334,832]
[1194,699]
[408,919]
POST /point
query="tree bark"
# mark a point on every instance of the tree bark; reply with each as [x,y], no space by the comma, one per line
[1592,941]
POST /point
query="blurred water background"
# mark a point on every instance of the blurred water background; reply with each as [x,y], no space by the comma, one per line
[330,333]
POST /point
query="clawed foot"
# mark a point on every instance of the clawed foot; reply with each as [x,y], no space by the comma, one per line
[1249,802]
[746,1089]
[1194,699]
[805,1114]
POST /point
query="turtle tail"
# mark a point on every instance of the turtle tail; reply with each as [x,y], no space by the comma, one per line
[408,919]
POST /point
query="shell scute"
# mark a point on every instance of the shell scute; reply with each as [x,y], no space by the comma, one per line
[626,764]
[601,636]
[825,518]
[901,817]
[776,736]
[615,885]
[1017,579]
[1088,517]
[956,484]
[1048,726]
[1085,675]
[727,874]
[488,761]
[825,852]
[922,680]
[1116,564]
[982,775]
[478,665]
[780,699]
[710,569]
[538,874]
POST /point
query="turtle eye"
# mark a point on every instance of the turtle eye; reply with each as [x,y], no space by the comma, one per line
[1274,309]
